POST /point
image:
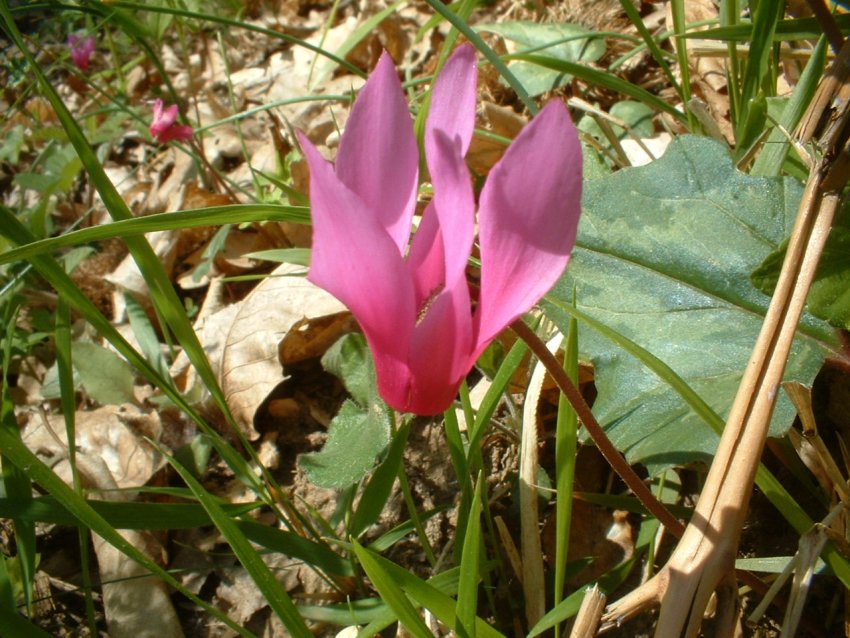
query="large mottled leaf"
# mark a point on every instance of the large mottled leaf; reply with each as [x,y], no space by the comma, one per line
[663,258]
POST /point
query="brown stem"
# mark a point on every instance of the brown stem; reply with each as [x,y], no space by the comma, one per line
[615,460]
[827,23]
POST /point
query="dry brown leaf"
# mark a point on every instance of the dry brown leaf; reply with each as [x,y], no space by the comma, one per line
[249,363]
[113,453]
[310,338]
[111,446]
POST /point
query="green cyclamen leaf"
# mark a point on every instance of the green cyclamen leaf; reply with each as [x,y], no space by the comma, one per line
[106,377]
[663,257]
[829,297]
[355,438]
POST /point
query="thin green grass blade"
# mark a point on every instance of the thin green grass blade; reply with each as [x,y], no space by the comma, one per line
[601,78]
[67,401]
[28,462]
[770,160]
[765,19]
[510,364]
[457,453]
[659,55]
[366,28]
[213,216]
[486,51]
[295,546]
[445,582]
[566,441]
[730,13]
[391,593]
[467,591]
[677,9]
[273,592]
[145,335]
[16,482]
[378,489]
[120,514]
[433,594]
[786,30]
[570,605]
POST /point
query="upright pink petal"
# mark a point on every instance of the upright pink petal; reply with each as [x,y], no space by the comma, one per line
[427,257]
[528,218]
[454,201]
[378,158]
[356,260]
[452,109]
[441,246]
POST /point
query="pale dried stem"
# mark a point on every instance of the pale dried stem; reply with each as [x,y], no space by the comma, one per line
[587,619]
[703,561]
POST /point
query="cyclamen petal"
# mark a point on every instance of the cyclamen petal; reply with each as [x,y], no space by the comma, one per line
[81,50]
[164,126]
[416,311]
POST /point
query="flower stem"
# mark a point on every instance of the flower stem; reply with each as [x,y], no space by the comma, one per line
[603,444]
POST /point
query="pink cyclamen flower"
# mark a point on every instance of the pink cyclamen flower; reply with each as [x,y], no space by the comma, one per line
[165,128]
[415,310]
[81,50]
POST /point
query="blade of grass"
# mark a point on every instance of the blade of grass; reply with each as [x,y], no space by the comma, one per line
[601,78]
[486,51]
[765,18]
[215,215]
[677,9]
[391,593]
[507,370]
[566,441]
[16,481]
[273,592]
[730,12]
[467,591]
[659,55]
[67,401]
[432,595]
[770,160]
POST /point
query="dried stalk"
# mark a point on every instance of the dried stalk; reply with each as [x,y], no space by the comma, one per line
[703,562]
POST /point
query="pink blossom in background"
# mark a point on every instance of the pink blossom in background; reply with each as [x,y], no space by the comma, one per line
[165,128]
[81,50]
[414,304]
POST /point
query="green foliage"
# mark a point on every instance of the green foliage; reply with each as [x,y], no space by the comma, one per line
[361,429]
[562,41]
[829,298]
[106,377]
[663,258]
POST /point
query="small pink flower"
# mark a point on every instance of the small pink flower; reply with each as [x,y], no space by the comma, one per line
[81,50]
[165,128]
[414,303]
